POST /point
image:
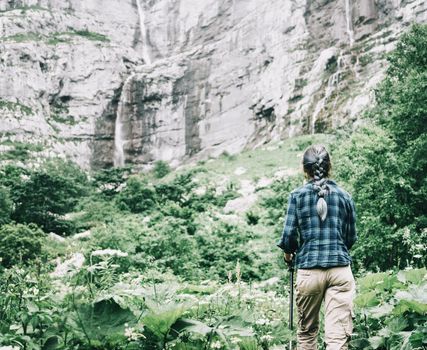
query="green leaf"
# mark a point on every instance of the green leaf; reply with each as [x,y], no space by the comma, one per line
[160,318]
[376,341]
[411,306]
[248,344]
[418,337]
[381,310]
[397,324]
[415,276]
[193,326]
[236,326]
[367,299]
[413,293]
[105,319]
[51,343]
[361,343]
[371,281]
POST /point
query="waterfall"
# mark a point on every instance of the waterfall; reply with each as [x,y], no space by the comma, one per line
[145,51]
[333,82]
[349,21]
[119,154]
[119,141]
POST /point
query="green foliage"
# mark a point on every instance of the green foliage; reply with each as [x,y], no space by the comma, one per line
[20,150]
[160,318]
[109,181]
[104,321]
[167,268]
[44,195]
[91,35]
[211,234]
[384,163]
[20,244]
[65,37]
[5,206]
[57,37]
[13,106]
[252,218]
[165,244]
[390,314]
[275,202]
[137,196]
[24,9]
[23,37]
[161,169]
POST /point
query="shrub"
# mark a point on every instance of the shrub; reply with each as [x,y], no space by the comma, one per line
[5,206]
[161,169]
[109,181]
[164,244]
[222,244]
[44,195]
[275,202]
[20,244]
[137,196]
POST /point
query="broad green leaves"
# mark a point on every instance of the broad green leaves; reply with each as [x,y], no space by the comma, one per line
[415,276]
[160,318]
[392,309]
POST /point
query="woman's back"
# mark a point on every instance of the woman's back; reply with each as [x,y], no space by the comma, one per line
[320,230]
[323,243]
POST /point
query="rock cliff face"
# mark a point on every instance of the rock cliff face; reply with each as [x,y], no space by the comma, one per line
[133,81]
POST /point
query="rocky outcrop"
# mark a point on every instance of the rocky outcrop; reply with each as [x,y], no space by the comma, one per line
[132,81]
[62,66]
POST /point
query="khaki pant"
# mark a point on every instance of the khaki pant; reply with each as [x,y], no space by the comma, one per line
[336,287]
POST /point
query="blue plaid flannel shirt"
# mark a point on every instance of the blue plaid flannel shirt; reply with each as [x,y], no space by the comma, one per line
[319,244]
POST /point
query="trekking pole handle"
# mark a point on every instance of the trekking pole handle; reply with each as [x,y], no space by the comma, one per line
[290,263]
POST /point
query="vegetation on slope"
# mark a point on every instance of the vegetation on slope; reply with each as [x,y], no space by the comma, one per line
[187,259]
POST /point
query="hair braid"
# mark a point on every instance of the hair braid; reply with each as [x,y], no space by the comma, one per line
[317,164]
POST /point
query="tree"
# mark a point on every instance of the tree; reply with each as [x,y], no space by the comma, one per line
[43,196]
[20,243]
[385,162]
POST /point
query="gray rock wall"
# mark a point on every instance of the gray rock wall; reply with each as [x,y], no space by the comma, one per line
[188,78]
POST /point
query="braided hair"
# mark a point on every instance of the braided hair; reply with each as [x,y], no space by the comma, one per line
[317,164]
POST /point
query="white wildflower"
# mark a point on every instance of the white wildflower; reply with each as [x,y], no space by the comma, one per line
[406,233]
[132,334]
[261,322]
[235,340]
[200,191]
[216,345]
[24,177]
[70,266]
[121,187]
[109,252]
[267,338]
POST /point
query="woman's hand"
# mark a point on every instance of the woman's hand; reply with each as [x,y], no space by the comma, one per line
[288,257]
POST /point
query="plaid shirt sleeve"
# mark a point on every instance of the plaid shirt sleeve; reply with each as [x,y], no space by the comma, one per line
[289,240]
[350,234]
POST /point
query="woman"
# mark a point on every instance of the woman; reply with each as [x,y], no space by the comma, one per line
[319,232]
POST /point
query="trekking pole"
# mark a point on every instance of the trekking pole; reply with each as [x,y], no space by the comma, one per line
[291,298]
